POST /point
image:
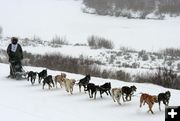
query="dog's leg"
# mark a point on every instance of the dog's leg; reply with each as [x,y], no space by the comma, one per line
[84,88]
[113,99]
[130,97]
[159,105]
[71,90]
[127,97]
[123,97]
[144,102]
[52,82]
[61,83]
[66,88]
[141,101]
[113,96]
[109,92]
[101,93]
[167,102]
[95,94]
[89,93]
[150,108]
[39,80]
[31,80]
[28,78]
[49,86]
[79,87]
[106,93]
[55,82]
[43,85]
[118,99]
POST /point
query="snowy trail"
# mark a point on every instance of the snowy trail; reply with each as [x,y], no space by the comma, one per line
[20,101]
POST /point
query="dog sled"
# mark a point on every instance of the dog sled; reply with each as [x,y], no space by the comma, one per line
[16,71]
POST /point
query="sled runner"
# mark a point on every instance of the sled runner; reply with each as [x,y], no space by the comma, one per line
[16,71]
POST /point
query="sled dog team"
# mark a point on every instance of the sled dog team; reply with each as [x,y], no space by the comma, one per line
[116,93]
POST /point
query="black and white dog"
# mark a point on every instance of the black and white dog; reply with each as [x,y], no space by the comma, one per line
[106,87]
[128,92]
[42,75]
[165,97]
[48,80]
[84,82]
[92,90]
[32,76]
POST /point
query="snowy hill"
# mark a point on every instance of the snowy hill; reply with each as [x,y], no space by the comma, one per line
[20,101]
[133,62]
[47,18]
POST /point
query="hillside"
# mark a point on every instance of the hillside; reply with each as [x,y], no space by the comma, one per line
[21,101]
[48,18]
[134,9]
[131,61]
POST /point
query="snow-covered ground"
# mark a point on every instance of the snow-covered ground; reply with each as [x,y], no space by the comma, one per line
[47,18]
[20,101]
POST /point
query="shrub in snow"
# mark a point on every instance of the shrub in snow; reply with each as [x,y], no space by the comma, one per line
[169,63]
[112,58]
[105,74]
[141,53]
[96,42]
[37,40]
[173,52]
[164,77]
[135,65]
[153,58]
[79,44]
[121,75]
[127,57]
[145,57]
[126,65]
[57,41]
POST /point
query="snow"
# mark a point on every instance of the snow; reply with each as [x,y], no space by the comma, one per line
[47,18]
[20,101]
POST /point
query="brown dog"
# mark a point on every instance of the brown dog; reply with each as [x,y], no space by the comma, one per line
[149,99]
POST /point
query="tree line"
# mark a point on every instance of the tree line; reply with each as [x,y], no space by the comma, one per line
[145,7]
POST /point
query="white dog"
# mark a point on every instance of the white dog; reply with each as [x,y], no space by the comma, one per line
[116,95]
[69,84]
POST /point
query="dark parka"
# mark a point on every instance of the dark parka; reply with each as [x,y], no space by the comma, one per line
[15,56]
